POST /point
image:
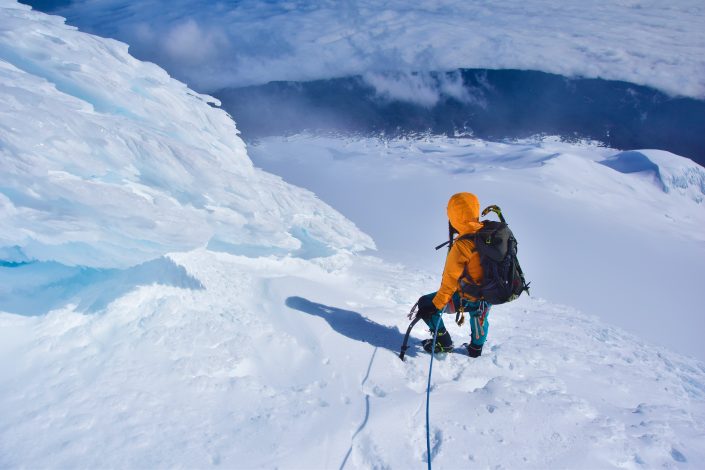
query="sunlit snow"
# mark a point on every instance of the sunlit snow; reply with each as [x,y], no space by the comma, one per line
[617,234]
[165,303]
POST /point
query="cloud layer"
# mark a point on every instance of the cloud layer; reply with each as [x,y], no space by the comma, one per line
[216,45]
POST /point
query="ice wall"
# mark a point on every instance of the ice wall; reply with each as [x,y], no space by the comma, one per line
[108,162]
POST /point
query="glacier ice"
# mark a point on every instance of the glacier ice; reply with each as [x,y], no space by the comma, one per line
[107,162]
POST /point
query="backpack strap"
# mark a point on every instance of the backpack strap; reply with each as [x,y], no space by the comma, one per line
[467,285]
[469,236]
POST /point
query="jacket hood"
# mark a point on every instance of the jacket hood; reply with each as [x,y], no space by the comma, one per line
[464,213]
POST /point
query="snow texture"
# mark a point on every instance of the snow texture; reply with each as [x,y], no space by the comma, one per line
[291,363]
[214,45]
[282,352]
[671,172]
[107,162]
[612,239]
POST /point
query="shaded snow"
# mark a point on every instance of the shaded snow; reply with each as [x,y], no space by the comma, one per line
[35,288]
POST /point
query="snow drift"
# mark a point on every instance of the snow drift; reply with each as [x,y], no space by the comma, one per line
[670,172]
[107,162]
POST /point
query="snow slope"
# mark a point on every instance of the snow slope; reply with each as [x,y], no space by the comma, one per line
[281,352]
[224,44]
[615,234]
[290,363]
[108,162]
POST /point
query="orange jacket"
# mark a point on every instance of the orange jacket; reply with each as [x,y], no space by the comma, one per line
[464,216]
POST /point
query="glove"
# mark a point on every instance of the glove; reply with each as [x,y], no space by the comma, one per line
[426,309]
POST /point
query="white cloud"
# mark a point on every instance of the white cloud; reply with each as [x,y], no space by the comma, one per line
[414,88]
[188,43]
[425,89]
[659,44]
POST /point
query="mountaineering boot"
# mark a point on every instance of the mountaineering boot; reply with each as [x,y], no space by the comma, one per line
[474,350]
[443,342]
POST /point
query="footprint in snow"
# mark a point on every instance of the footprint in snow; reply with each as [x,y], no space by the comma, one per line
[436,443]
[677,455]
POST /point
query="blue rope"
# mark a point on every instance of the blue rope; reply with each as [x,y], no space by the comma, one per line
[428,397]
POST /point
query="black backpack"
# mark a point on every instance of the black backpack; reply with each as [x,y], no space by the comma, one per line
[503,279]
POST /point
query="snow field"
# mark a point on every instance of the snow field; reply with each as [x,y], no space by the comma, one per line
[624,245]
[282,351]
[289,363]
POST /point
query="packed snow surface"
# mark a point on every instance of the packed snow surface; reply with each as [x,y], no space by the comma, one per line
[214,45]
[291,363]
[107,162]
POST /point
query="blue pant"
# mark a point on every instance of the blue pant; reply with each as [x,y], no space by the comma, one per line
[472,310]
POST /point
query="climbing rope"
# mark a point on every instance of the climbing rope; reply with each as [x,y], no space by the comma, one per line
[428,397]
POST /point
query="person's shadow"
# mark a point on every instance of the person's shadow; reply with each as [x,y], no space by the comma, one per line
[353,325]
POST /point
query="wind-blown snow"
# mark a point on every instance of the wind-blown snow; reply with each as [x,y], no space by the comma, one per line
[215,45]
[108,162]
